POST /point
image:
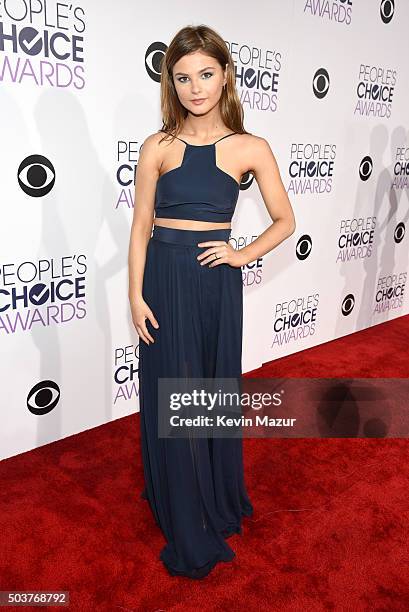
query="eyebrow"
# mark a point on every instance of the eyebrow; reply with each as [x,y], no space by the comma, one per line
[185,74]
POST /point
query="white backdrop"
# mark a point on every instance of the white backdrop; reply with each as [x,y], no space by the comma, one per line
[79,94]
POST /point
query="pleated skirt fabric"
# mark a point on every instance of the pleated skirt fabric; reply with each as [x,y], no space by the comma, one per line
[195,486]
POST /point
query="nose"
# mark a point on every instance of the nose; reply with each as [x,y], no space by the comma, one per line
[195,87]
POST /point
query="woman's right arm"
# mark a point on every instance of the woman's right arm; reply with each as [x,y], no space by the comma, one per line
[147,173]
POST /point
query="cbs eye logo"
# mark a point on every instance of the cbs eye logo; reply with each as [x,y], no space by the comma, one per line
[399,232]
[365,168]
[43,397]
[153,60]
[387,10]
[36,176]
[348,304]
[303,247]
[246,181]
[320,83]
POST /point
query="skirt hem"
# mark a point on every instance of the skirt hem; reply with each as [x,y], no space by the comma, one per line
[200,572]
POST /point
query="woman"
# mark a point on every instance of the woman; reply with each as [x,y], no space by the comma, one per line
[186,291]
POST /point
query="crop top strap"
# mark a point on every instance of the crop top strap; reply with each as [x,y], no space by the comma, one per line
[174,136]
[181,140]
[227,135]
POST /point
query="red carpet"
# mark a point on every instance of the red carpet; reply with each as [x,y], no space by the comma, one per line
[330,529]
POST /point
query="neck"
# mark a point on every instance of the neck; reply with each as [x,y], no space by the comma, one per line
[203,128]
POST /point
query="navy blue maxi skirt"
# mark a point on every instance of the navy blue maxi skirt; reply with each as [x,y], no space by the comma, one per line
[195,486]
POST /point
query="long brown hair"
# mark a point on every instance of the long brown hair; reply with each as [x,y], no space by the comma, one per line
[188,40]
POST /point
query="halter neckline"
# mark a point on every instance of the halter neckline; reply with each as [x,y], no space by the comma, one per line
[202,145]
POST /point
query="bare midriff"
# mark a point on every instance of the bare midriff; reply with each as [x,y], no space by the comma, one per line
[189,224]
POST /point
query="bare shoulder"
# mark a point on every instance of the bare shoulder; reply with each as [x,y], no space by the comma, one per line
[256,151]
[149,159]
[152,141]
[254,143]
[155,145]
[150,153]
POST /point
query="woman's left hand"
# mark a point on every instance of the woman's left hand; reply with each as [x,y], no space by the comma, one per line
[225,254]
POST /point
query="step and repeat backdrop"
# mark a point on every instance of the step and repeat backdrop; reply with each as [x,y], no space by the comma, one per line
[325,82]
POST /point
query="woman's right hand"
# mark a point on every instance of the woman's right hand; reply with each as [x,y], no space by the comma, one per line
[140,312]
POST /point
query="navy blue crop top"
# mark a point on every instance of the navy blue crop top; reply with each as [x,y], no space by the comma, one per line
[197,189]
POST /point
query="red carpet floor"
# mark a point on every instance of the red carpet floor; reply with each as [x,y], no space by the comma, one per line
[329,532]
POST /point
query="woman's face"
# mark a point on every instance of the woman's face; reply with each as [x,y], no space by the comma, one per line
[198,77]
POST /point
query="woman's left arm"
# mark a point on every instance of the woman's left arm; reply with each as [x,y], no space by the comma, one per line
[267,174]
[265,169]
